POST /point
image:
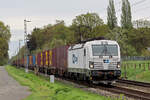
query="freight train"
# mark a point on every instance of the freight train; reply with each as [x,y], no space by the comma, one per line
[91,61]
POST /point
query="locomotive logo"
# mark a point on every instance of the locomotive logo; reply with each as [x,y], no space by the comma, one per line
[74,59]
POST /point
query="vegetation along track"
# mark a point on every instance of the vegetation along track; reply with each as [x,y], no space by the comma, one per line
[136,94]
[116,89]
[136,83]
[111,88]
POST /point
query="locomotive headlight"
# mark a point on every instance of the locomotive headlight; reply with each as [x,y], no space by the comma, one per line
[118,65]
[91,64]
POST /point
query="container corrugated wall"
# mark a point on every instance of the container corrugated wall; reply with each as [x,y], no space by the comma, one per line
[59,58]
[39,59]
[30,60]
[46,58]
[54,57]
[50,58]
[26,61]
[34,60]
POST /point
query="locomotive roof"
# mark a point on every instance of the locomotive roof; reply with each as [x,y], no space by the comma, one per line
[81,45]
[102,42]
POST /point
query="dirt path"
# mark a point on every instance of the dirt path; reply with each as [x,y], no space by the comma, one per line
[10,89]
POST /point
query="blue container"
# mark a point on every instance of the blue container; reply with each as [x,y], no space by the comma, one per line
[34,60]
[28,60]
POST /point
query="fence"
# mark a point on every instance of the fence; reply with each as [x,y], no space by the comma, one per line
[135,58]
[131,68]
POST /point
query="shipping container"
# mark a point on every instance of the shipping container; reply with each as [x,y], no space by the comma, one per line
[41,59]
[44,58]
[21,62]
[47,58]
[38,59]
[34,60]
[59,59]
[26,61]
[54,57]
[30,60]
[50,58]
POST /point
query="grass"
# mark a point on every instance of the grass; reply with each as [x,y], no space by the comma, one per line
[43,90]
[145,61]
[138,73]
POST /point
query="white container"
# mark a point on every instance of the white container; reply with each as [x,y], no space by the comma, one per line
[52,78]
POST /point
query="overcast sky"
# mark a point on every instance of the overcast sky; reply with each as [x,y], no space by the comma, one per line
[43,12]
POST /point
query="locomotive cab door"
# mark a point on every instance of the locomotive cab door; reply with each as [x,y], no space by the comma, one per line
[84,57]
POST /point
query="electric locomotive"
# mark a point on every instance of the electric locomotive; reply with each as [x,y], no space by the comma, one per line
[96,61]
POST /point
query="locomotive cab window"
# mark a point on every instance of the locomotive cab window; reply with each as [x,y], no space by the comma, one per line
[105,50]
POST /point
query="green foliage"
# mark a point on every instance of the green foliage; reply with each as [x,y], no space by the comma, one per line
[100,31]
[138,73]
[133,42]
[145,52]
[139,39]
[4,40]
[43,90]
[126,17]
[121,36]
[84,24]
[111,15]
[51,36]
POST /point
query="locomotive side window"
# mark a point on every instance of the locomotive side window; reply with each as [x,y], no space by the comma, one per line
[84,52]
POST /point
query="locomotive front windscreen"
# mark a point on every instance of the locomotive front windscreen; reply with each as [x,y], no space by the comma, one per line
[105,50]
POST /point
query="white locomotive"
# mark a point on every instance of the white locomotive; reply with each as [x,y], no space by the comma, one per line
[96,61]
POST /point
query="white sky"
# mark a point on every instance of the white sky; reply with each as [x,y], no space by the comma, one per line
[43,12]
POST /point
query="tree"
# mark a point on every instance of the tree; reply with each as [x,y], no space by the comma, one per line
[126,17]
[100,31]
[50,36]
[121,36]
[84,24]
[111,15]
[4,40]
[139,39]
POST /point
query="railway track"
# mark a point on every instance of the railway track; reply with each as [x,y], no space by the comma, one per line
[136,83]
[129,92]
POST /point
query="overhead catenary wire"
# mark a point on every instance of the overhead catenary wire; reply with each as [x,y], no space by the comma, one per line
[139,10]
[132,5]
[138,2]
[142,9]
